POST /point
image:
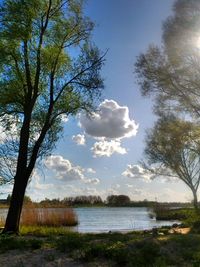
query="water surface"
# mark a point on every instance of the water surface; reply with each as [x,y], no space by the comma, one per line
[94,220]
[116,219]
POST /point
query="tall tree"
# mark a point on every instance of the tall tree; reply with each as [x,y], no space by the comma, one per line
[173,146]
[172,72]
[48,68]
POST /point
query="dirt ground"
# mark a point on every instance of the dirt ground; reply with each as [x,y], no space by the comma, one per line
[183,231]
[42,258]
[36,258]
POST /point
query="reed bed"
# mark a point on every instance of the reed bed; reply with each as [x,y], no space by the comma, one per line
[48,217]
[55,217]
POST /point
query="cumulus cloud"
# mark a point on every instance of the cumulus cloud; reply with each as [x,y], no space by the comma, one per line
[38,185]
[79,139]
[107,148]
[136,171]
[90,170]
[66,171]
[110,121]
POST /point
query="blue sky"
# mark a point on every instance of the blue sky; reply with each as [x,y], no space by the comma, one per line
[85,163]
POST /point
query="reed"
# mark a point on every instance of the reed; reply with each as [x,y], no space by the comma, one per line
[48,217]
[56,217]
[2,222]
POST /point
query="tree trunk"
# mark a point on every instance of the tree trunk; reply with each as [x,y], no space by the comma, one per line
[22,176]
[16,203]
[195,200]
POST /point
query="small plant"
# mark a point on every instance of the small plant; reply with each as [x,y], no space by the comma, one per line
[50,257]
[69,242]
[19,264]
[35,243]
[118,252]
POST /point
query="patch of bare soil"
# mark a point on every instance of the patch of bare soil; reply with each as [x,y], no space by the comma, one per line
[36,258]
[177,230]
[42,258]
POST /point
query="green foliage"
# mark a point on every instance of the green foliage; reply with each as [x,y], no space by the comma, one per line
[43,231]
[166,213]
[10,243]
[70,242]
[48,67]
[171,72]
[118,200]
[172,149]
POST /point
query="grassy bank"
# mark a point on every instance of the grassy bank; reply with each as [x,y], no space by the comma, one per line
[111,249]
[185,215]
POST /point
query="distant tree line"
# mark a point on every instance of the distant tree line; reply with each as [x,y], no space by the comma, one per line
[92,200]
[27,199]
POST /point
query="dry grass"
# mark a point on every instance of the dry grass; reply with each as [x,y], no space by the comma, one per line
[2,221]
[33,216]
[47,216]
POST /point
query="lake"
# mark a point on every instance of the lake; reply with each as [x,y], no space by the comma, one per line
[94,220]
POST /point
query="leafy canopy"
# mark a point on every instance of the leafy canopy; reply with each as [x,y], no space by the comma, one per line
[174,145]
[48,68]
[172,72]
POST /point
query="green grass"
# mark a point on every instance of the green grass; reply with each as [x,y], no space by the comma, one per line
[134,249]
[13,242]
[43,231]
[185,215]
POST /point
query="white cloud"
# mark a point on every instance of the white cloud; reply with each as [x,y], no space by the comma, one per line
[66,171]
[64,118]
[136,171]
[92,181]
[129,185]
[110,121]
[107,148]
[90,170]
[6,189]
[89,191]
[162,175]
[12,133]
[2,134]
[38,185]
[112,191]
[79,139]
